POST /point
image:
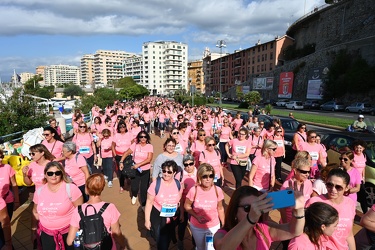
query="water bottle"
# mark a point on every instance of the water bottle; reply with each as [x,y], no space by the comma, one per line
[77,242]
[139,170]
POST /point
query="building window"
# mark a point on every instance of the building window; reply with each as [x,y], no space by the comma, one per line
[262,58]
[258,58]
[270,66]
[271,45]
[271,55]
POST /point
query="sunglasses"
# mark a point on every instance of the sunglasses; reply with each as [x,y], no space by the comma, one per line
[312,137]
[279,131]
[57,173]
[175,133]
[202,135]
[273,149]
[167,171]
[189,164]
[122,126]
[342,158]
[303,171]
[142,136]
[246,208]
[46,134]
[206,176]
[303,127]
[205,119]
[32,154]
[241,134]
[82,126]
[330,185]
[210,145]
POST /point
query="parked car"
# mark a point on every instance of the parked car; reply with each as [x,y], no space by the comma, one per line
[338,142]
[311,104]
[359,107]
[294,105]
[281,102]
[333,106]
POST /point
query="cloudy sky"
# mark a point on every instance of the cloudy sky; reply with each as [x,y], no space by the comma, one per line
[45,32]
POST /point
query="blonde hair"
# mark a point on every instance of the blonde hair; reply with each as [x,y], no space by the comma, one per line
[204,168]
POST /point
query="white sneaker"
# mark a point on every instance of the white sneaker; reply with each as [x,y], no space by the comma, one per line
[134,200]
[105,177]
[110,184]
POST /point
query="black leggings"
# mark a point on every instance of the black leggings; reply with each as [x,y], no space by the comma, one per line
[279,160]
[362,198]
[48,242]
[160,230]
[239,173]
[223,153]
[141,181]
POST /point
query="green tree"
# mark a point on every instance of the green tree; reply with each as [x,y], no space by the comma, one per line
[46,92]
[32,85]
[73,90]
[20,113]
[102,97]
[253,97]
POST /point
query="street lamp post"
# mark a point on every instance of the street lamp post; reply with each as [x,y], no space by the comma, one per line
[220,44]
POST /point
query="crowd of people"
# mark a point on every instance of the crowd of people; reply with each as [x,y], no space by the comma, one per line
[183,186]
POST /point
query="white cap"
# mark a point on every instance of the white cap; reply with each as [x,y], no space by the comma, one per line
[361,116]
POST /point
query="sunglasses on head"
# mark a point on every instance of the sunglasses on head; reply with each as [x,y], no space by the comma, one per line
[206,176]
[342,158]
[246,208]
[303,171]
[167,171]
[189,164]
[330,185]
[51,173]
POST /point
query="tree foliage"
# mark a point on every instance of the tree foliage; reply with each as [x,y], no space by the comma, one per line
[102,97]
[73,90]
[253,97]
[20,113]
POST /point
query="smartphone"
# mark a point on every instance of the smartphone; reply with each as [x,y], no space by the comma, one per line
[282,198]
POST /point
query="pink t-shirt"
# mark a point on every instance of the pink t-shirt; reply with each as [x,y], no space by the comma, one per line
[214,159]
[168,194]
[205,204]
[96,128]
[315,151]
[256,141]
[161,118]
[303,242]
[197,147]
[123,142]
[359,162]
[188,181]
[237,124]
[36,173]
[238,147]
[301,138]
[346,210]
[319,187]
[140,153]
[73,169]
[280,150]
[262,175]
[55,209]
[224,135]
[110,216]
[106,147]
[307,191]
[2,203]
[55,147]
[6,172]
[84,144]
[207,126]
[134,132]
[146,117]
[355,179]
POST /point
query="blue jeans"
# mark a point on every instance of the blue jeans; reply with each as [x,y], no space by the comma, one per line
[107,165]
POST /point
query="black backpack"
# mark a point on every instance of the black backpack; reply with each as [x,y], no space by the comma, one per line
[94,233]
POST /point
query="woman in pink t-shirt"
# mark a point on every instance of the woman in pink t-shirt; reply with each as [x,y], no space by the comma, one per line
[8,186]
[6,231]
[321,222]
[262,172]
[198,146]
[207,212]
[34,173]
[96,126]
[346,160]
[162,119]
[53,143]
[142,152]
[162,205]
[85,144]
[279,153]
[225,133]
[54,203]
[246,221]
[105,146]
[181,145]
[237,122]
[337,185]
[299,137]
[76,167]
[53,123]
[76,120]
[211,155]
[316,153]
[207,125]
[238,151]
[94,186]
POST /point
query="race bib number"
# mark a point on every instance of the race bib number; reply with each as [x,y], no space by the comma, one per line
[280,143]
[168,210]
[84,150]
[240,149]
[314,156]
[178,148]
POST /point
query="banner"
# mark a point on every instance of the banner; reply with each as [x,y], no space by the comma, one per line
[286,85]
[263,83]
[315,85]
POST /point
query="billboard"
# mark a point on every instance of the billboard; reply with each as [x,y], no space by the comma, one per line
[315,85]
[286,85]
[263,83]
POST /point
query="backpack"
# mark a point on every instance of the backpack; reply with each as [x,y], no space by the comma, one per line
[94,233]
[158,182]
[87,164]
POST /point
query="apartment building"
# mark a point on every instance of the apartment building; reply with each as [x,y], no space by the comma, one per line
[109,65]
[60,74]
[40,71]
[195,76]
[133,67]
[25,76]
[208,56]
[241,66]
[165,67]
[87,69]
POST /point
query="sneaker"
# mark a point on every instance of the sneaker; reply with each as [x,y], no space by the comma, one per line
[134,200]
[110,184]
[121,190]
[105,177]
